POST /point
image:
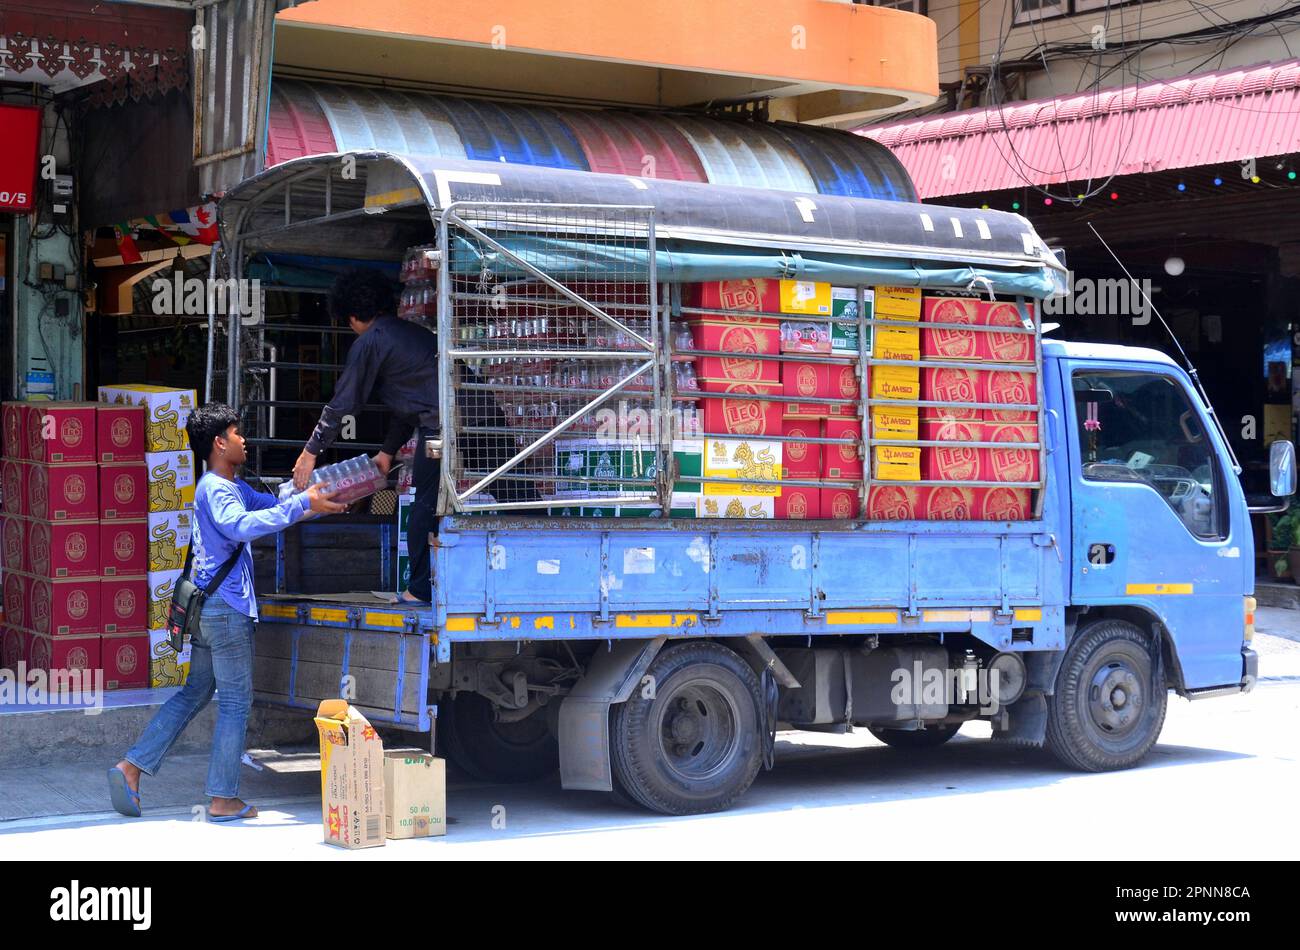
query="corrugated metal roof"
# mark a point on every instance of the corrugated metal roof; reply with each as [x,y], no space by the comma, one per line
[1196,120]
[316,117]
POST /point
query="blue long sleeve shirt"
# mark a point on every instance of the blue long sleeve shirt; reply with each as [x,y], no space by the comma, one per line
[229,513]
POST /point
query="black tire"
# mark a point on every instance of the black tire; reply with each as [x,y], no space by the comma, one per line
[697,746]
[927,738]
[1103,715]
[494,751]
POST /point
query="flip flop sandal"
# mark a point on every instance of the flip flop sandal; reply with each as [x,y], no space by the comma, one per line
[125,801]
[237,816]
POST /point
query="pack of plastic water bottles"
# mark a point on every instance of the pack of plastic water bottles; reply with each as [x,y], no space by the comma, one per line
[347,481]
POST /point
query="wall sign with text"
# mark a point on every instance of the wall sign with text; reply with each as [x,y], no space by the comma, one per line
[20,132]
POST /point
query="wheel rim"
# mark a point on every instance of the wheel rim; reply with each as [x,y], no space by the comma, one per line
[698,731]
[1115,698]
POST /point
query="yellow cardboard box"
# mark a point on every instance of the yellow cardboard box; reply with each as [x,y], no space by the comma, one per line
[171,480]
[898,462]
[897,343]
[351,777]
[166,668]
[900,423]
[415,795]
[162,584]
[738,459]
[895,382]
[805,296]
[169,539]
[736,506]
[166,412]
[898,303]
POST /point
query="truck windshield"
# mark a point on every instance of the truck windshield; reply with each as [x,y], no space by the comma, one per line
[1141,427]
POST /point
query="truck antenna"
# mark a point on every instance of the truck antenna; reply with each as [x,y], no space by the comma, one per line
[1187,361]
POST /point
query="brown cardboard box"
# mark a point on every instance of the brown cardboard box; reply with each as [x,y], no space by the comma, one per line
[415,795]
[351,777]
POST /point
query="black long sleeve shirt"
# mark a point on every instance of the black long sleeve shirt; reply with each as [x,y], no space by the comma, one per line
[397,362]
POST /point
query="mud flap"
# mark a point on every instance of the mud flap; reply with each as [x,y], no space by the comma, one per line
[584,713]
[1028,722]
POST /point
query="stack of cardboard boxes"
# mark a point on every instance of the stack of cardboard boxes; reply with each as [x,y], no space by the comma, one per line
[958,423]
[94,516]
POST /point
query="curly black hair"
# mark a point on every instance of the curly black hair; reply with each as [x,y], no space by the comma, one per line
[206,423]
[363,293]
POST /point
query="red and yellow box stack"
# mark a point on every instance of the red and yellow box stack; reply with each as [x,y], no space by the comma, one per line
[74,589]
[955,386]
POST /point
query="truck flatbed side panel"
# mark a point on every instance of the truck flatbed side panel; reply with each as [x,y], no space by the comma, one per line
[700,568]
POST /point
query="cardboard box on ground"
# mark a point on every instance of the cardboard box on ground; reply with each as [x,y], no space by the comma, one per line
[351,777]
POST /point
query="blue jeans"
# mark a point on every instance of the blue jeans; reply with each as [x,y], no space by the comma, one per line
[221,661]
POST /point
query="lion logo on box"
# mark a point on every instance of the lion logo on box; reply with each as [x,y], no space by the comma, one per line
[762,467]
[163,493]
[164,554]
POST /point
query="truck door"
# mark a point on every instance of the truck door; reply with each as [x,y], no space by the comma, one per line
[1158,517]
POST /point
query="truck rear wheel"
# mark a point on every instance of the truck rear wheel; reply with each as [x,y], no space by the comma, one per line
[493,751]
[926,738]
[694,747]
[1104,714]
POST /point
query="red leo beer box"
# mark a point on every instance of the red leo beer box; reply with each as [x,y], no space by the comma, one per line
[124,604]
[120,433]
[125,659]
[13,647]
[61,492]
[957,343]
[840,502]
[801,460]
[123,548]
[798,503]
[1003,504]
[123,491]
[63,548]
[63,653]
[13,543]
[61,432]
[841,461]
[15,438]
[750,339]
[15,598]
[740,413]
[13,486]
[896,502]
[61,607]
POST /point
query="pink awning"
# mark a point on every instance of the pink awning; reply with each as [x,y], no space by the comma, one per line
[1204,119]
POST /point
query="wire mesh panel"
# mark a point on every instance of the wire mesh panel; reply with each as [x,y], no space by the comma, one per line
[551,387]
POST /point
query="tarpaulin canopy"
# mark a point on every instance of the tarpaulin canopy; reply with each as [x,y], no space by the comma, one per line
[374,204]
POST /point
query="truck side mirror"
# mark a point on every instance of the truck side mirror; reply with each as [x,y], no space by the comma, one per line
[1281,468]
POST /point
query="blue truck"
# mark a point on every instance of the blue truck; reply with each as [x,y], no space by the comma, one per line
[655,654]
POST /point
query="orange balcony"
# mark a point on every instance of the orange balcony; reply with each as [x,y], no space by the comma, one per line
[821,61]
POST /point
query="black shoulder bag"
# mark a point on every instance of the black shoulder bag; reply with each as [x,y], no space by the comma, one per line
[188,598]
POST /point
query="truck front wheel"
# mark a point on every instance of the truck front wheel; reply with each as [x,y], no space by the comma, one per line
[494,751]
[691,743]
[1105,714]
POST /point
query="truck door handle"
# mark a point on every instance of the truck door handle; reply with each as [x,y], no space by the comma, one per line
[1053,430]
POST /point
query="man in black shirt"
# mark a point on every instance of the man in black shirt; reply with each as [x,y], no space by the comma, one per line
[397,361]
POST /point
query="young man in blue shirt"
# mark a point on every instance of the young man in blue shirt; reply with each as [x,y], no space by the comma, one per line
[228,513]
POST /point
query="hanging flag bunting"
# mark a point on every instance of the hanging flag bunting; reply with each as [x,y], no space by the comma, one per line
[126,244]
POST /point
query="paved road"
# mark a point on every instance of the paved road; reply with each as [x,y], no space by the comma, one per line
[1220,784]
